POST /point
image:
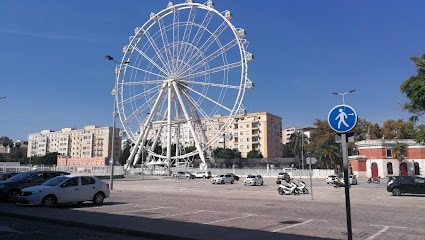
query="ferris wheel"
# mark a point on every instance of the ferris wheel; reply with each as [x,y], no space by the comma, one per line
[183,66]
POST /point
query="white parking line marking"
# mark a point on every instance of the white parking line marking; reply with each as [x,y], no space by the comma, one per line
[139,210]
[297,224]
[230,219]
[180,214]
[384,228]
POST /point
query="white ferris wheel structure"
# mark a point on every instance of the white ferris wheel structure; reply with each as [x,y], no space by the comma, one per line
[186,64]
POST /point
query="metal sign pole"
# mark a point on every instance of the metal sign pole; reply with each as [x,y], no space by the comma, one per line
[346,184]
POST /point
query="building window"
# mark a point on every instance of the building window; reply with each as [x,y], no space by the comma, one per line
[390,168]
[389,153]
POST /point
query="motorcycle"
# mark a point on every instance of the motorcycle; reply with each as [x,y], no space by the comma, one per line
[374,180]
[289,189]
[302,187]
[338,183]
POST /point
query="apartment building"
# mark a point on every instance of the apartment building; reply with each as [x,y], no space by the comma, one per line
[259,131]
[89,142]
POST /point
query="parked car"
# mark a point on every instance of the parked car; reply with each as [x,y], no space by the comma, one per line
[331,178]
[222,179]
[184,174]
[203,174]
[406,184]
[352,179]
[65,189]
[253,180]
[283,176]
[10,188]
[235,177]
[6,175]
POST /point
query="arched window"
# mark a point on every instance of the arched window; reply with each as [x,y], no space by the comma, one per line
[390,168]
[416,166]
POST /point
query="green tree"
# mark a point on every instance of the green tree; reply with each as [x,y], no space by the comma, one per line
[414,89]
[329,157]
[254,154]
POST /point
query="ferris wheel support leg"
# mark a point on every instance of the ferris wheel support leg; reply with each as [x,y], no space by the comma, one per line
[169,128]
[192,130]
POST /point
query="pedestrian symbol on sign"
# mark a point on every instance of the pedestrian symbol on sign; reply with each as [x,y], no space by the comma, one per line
[342,118]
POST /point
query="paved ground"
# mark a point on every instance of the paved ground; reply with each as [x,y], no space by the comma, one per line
[165,208]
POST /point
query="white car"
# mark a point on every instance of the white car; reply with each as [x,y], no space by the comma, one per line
[203,174]
[331,178]
[253,180]
[65,189]
[222,179]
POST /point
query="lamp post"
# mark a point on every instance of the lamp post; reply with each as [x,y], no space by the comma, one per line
[343,94]
[114,117]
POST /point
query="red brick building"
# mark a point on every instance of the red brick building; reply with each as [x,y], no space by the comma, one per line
[376,158]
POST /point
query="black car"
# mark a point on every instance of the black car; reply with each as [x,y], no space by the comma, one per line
[406,184]
[10,188]
[6,175]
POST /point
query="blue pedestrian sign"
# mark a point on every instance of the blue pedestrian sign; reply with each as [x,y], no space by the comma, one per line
[111,161]
[342,118]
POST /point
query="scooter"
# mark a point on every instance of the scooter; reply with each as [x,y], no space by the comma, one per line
[338,183]
[374,180]
[302,187]
[289,189]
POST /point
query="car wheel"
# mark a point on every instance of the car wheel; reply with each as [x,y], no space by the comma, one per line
[396,192]
[231,182]
[98,198]
[262,183]
[49,201]
[12,196]
[255,183]
[280,191]
[222,181]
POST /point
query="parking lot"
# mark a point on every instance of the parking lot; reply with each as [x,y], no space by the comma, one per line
[197,209]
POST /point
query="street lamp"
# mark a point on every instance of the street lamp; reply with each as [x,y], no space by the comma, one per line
[114,117]
[343,95]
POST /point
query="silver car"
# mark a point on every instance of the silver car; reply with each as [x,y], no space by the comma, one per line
[65,189]
[253,180]
[222,179]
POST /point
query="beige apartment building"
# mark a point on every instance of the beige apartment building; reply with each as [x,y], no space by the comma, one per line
[89,142]
[259,131]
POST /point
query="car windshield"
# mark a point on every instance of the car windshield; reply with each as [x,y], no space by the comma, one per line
[222,175]
[54,181]
[19,177]
[250,176]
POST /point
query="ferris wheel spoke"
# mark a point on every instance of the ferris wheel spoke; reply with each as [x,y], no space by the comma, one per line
[209,99]
[138,83]
[187,32]
[222,50]
[212,84]
[157,51]
[211,39]
[151,61]
[165,42]
[200,33]
[213,70]
[196,106]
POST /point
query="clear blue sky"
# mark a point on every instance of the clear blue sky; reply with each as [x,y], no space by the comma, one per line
[54,75]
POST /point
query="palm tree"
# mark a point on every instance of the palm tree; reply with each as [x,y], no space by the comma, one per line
[399,151]
[329,157]
[297,142]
